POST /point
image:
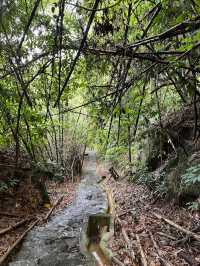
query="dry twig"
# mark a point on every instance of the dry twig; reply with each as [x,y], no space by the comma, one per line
[127,240]
[118,262]
[10,214]
[53,207]
[11,227]
[143,257]
[163,260]
[166,235]
[180,228]
[5,256]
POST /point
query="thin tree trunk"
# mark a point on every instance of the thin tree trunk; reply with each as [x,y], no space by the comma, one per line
[129,141]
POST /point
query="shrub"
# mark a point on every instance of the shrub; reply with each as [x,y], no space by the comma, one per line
[191,176]
[6,185]
[193,206]
[156,184]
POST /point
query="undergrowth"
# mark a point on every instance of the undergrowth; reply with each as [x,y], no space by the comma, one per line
[156,184]
[159,184]
[6,185]
[191,176]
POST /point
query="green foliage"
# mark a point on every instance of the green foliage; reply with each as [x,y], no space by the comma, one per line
[6,185]
[192,176]
[157,184]
[115,154]
[3,186]
[143,176]
[119,98]
[193,206]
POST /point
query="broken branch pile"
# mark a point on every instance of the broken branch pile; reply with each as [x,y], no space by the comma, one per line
[145,237]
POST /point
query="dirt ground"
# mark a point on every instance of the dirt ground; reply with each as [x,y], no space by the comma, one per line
[142,237]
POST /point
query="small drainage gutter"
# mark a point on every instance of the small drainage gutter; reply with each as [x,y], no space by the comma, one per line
[97,231]
[98,228]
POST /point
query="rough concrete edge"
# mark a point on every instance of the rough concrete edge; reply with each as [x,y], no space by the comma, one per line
[106,236]
[84,240]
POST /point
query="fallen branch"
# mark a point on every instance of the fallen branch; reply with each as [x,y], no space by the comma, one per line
[11,227]
[130,247]
[166,235]
[125,212]
[5,256]
[118,262]
[10,214]
[186,238]
[181,28]
[143,257]
[163,260]
[127,240]
[187,258]
[181,241]
[180,228]
[52,208]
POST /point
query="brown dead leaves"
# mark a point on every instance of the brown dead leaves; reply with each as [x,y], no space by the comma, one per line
[152,240]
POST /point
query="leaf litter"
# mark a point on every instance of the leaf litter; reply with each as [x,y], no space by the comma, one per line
[140,238]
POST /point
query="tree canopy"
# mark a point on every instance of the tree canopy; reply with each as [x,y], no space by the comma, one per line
[96,70]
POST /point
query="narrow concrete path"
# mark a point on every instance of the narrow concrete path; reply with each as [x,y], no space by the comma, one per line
[58,242]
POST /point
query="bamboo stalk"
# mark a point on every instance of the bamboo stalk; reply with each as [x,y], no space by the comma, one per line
[180,228]
[127,240]
[118,262]
[11,227]
[53,207]
[143,257]
[5,256]
[161,258]
[10,214]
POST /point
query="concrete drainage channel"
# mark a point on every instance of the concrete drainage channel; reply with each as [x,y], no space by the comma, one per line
[96,234]
[78,235]
[98,229]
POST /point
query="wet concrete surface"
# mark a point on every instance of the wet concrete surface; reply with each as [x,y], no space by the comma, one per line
[58,242]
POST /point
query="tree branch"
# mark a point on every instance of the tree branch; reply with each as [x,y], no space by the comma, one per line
[79,51]
[29,23]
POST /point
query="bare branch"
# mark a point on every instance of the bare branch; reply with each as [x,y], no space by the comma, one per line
[79,51]
[92,9]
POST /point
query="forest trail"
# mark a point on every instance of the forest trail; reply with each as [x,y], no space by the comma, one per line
[58,242]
